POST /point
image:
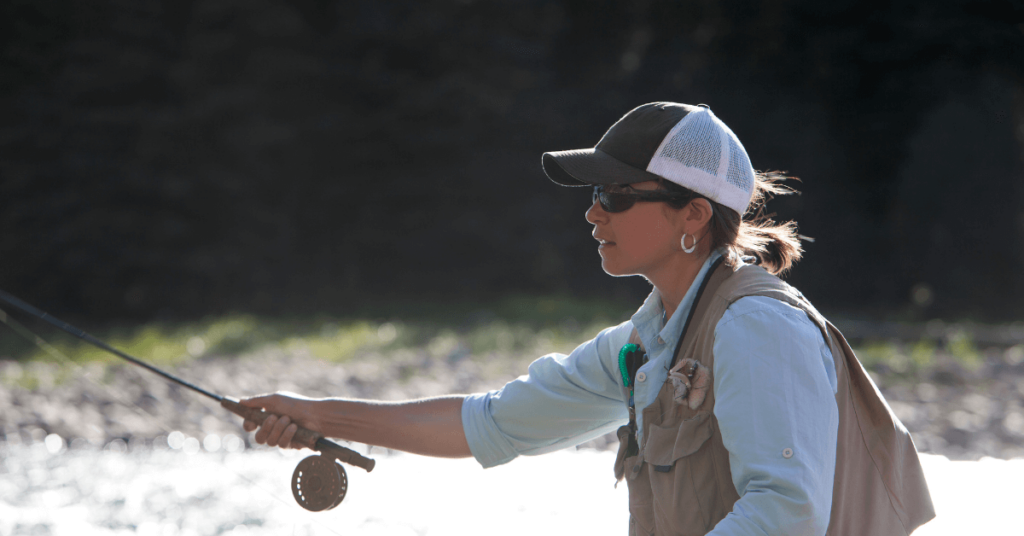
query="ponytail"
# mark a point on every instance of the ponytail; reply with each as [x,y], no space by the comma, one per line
[776,246]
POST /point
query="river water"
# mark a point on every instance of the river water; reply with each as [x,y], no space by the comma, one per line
[216,487]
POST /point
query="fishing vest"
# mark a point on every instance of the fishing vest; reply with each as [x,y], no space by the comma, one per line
[679,479]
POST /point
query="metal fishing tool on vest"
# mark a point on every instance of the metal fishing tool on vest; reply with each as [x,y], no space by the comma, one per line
[319,482]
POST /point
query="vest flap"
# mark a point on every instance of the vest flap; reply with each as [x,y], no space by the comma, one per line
[887,441]
[666,444]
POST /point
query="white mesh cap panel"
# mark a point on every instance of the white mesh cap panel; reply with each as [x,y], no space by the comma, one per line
[696,143]
[740,173]
[702,154]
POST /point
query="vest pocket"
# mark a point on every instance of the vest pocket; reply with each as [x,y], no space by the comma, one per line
[641,507]
[682,477]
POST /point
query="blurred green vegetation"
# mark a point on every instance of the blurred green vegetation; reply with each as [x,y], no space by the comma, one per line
[517,324]
[514,328]
[906,359]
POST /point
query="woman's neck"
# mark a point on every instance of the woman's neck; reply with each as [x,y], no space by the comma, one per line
[674,282]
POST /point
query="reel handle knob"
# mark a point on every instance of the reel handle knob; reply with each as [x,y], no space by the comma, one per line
[306,438]
[342,454]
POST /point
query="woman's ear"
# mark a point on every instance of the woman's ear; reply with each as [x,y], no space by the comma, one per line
[696,214]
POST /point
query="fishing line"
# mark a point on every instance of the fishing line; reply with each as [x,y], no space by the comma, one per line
[83,372]
[318,483]
[52,351]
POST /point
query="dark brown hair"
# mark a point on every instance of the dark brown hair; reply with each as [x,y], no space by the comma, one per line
[776,246]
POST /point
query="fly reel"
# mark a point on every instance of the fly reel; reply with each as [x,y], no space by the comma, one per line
[319,483]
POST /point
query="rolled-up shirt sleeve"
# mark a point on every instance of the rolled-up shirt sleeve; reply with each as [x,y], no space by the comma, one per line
[774,384]
[562,401]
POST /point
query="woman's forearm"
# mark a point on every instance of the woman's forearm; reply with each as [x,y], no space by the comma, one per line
[429,426]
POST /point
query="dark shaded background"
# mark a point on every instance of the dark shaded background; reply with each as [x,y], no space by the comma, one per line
[167,159]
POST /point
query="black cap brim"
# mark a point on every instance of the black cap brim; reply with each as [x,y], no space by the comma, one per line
[583,167]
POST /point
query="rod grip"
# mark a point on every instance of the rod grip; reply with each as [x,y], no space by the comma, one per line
[303,437]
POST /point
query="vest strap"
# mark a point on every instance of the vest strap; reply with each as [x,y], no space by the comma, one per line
[717,273]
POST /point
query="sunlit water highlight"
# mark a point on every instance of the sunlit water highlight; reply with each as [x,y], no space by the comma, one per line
[47,489]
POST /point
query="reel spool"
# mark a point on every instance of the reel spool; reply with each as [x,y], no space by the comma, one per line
[319,483]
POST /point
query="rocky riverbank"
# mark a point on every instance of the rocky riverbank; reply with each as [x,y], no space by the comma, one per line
[957,409]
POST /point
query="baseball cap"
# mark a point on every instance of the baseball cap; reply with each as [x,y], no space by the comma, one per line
[684,144]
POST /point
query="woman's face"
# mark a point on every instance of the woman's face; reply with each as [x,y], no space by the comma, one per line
[639,239]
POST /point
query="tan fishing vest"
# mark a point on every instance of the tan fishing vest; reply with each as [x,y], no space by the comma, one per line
[680,482]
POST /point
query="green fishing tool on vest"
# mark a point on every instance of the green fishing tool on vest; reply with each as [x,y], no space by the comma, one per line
[631,358]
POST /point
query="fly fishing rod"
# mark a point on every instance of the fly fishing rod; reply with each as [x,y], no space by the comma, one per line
[318,483]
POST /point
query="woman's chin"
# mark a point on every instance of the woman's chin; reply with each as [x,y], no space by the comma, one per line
[613,270]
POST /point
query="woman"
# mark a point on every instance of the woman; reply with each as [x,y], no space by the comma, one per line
[739,409]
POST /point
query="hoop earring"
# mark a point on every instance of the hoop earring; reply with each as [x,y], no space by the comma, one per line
[682,243]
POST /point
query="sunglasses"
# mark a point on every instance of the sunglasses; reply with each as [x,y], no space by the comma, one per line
[618,201]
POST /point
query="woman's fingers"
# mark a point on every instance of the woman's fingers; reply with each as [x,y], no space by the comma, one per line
[274,438]
[286,437]
[277,432]
[278,429]
[264,432]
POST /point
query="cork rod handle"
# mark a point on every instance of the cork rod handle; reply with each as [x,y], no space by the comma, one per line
[306,438]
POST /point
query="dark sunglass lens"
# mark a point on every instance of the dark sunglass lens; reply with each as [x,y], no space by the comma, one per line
[616,202]
[612,201]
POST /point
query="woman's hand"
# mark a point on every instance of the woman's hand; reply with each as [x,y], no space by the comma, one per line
[287,411]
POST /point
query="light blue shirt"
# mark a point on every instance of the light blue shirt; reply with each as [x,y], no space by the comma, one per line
[774,382]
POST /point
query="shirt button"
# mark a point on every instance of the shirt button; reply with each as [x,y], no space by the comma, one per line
[660,340]
[640,377]
[787,453]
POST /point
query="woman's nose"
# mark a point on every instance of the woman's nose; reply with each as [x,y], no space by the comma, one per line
[595,213]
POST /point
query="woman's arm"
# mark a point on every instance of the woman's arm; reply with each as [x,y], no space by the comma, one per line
[562,401]
[775,404]
[429,426]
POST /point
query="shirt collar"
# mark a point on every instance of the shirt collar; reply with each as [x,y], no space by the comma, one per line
[647,319]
